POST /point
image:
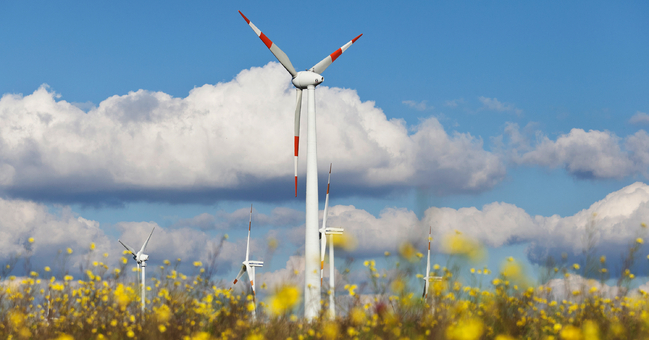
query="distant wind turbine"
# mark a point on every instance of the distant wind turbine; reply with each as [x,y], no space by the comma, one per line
[141,259]
[428,278]
[306,80]
[249,267]
[324,231]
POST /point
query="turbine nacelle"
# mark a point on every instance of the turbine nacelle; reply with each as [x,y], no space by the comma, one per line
[304,79]
[253,263]
[142,258]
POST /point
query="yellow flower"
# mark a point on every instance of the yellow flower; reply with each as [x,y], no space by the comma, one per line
[198,263]
[407,251]
[571,333]
[284,300]
[163,313]
[387,253]
[162,328]
[344,241]
[31,240]
[459,244]
[330,330]
[590,330]
[470,329]
[92,246]
[47,269]
[639,240]
[64,336]
[357,316]
[69,250]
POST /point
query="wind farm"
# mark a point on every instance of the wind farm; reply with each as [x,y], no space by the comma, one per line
[491,176]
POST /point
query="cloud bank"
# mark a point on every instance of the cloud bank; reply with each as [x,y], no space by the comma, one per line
[232,140]
[584,154]
[615,222]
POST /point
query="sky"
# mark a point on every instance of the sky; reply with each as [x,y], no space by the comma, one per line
[519,124]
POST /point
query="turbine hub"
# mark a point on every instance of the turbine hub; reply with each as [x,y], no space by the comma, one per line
[305,78]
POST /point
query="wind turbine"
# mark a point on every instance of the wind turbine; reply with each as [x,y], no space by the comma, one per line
[308,80]
[141,259]
[324,231]
[429,278]
[249,267]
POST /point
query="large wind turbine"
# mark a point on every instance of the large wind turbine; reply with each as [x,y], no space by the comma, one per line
[308,80]
[428,278]
[324,231]
[249,266]
[141,259]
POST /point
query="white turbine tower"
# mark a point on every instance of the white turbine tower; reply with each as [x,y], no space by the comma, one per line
[307,80]
[428,278]
[324,231]
[249,267]
[141,259]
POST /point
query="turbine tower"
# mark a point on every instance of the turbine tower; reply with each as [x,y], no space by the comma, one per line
[249,267]
[141,259]
[308,80]
[428,278]
[324,231]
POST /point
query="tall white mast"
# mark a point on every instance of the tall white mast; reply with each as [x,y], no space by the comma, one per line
[306,80]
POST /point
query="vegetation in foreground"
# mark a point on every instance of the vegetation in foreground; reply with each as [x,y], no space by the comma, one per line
[103,304]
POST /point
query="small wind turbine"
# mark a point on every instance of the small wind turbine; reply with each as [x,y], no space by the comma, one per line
[428,278]
[249,266]
[306,80]
[324,231]
[141,259]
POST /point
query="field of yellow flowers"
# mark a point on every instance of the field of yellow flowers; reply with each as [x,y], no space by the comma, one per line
[104,303]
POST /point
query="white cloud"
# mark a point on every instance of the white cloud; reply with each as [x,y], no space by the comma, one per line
[592,154]
[639,118]
[222,138]
[61,229]
[495,105]
[616,224]
[419,106]
[616,221]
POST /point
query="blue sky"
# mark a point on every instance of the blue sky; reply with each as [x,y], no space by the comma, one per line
[482,71]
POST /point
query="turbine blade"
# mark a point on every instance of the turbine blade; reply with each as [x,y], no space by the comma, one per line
[127,247]
[423,295]
[243,269]
[326,208]
[323,238]
[147,241]
[296,142]
[323,246]
[251,275]
[324,63]
[277,52]
[248,243]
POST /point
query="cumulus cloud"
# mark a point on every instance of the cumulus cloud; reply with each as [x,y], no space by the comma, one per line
[419,106]
[223,141]
[222,220]
[55,231]
[614,223]
[639,118]
[584,154]
[494,104]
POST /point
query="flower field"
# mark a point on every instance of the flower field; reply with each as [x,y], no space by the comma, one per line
[104,303]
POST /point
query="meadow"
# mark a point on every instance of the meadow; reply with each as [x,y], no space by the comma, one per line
[104,303]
